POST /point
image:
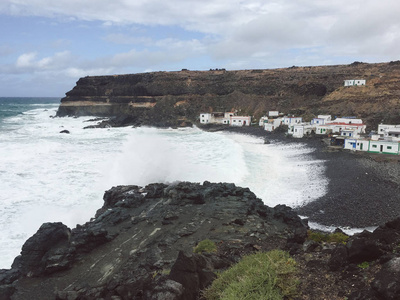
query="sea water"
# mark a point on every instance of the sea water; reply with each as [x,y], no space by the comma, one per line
[48,176]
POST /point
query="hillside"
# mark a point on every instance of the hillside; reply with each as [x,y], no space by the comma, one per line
[172,98]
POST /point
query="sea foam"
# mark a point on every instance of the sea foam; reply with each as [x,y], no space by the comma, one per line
[47,176]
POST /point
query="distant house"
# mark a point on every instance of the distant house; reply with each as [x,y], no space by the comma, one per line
[389,132]
[382,146]
[353,82]
[205,118]
[291,120]
[321,120]
[216,117]
[262,121]
[272,124]
[350,133]
[350,144]
[300,130]
[323,129]
[273,113]
[240,121]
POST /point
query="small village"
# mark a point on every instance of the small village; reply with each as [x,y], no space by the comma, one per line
[345,132]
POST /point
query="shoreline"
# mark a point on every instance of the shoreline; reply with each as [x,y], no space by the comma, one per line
[363,189]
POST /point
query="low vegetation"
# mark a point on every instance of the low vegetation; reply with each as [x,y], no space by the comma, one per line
[205,246]
[264,275]
[336,237]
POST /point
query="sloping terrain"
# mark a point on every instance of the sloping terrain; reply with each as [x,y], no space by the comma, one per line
[177,98]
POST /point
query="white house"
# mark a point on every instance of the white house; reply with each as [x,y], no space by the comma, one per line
[350,144]
[300,130]
[323,129]
[321,120]
[205,118]
[269,127]
[292,120]
[216,117]
[382,146]
[350,133]
[347,120]
[362,145]
[353,82]
[383,127]
[240,121]
[262,121]
[272,124]
[392,134]
[273,113]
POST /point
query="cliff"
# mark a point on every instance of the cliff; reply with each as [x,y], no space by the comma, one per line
[177,98]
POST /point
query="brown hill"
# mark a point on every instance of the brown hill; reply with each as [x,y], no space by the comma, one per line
[170,98]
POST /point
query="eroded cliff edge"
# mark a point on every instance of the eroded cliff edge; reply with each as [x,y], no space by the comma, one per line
[140,244]
[177,98]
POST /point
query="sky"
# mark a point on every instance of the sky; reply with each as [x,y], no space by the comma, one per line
[47,45]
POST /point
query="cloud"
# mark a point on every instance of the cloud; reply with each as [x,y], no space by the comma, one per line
[29,62]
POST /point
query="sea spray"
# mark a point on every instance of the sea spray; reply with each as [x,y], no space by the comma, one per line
[47,176]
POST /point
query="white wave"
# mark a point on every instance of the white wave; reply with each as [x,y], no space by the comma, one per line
[46,176]
[347,230]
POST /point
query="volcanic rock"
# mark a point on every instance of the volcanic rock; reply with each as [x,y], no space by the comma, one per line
[140,244]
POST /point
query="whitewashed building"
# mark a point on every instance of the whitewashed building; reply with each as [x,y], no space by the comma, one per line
[216,117]
[291,120]
[273,113]
[321,120]
[300,130]
[273,124]
[383,146]
[389,132]
[262,121]
[323,129]
[240,121]
[350,133]
[353,82]
[205,118]
[350,144]
[392,134]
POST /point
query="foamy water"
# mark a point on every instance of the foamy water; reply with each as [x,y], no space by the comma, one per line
[46,176]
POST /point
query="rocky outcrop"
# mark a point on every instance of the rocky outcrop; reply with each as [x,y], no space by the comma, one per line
[177,98]
[140,244]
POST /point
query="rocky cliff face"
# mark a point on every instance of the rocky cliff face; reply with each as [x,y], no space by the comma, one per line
[140,244]
[177,98]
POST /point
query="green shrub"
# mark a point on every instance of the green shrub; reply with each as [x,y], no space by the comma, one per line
[363,265]
[336,237]
[205,246]
[264,275]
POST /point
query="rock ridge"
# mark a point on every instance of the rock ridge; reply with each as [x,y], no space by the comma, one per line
[167,99]
[140,244]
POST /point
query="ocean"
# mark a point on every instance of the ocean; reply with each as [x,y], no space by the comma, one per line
[48,176]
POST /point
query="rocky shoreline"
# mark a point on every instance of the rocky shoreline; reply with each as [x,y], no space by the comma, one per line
[140,243]
[363,188]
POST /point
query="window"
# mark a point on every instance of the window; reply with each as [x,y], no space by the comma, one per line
[389,147]
[374,146]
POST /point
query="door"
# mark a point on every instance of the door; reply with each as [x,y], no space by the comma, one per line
[361,145]
[381,148]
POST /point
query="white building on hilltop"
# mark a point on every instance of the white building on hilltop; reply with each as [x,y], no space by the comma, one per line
[353,82]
